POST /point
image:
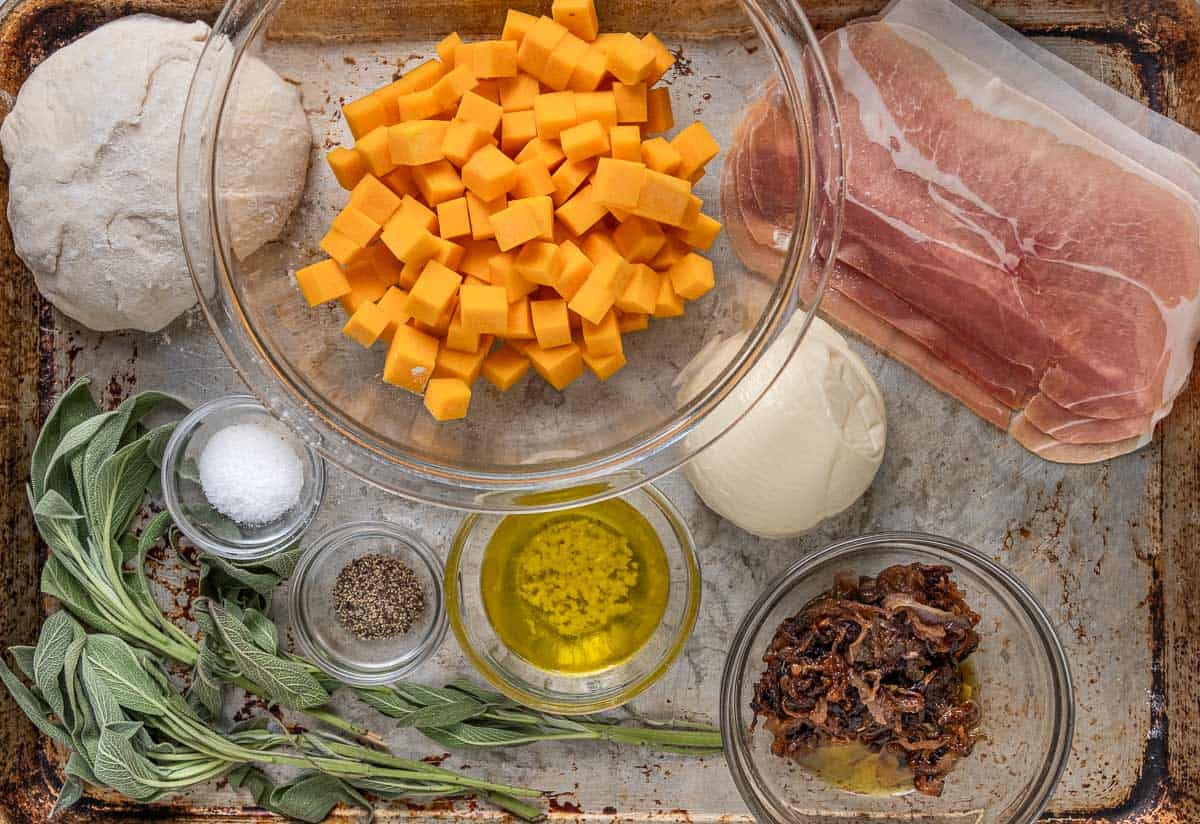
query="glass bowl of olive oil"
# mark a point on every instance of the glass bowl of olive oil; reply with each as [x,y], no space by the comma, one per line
[577,610]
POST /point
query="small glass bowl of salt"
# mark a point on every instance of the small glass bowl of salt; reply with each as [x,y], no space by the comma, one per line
[239,483]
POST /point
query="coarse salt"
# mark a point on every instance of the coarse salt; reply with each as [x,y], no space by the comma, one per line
[250,474]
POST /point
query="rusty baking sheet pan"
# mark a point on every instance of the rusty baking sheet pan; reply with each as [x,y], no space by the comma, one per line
[1108,548]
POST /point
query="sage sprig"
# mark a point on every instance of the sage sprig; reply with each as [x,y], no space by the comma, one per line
[130,730]
[89,477]
[463,714]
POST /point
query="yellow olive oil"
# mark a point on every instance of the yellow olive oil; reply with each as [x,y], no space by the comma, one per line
[855,768]
[575,591]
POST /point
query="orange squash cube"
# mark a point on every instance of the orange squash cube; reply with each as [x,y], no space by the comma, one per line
[703,232]
[603,338]
[373,199]
[584,140]
[489,89]
[453,218]
[348,166]
[416,142]
[420,105]
[339,247]
[606,366]
[463,365]
[422,77]
[375,149]
[476,108]
[573,269]
[561,63]
[551,324]
[484,308]
[446,93]
[631,102]
[442,327]
[558,366]
[447,47]
[520,321]
[367,283]
[322,281]
[659,117]
[548,151]
[475,261]
[464,138]
[438,181]
[515,224]
[447,399]
[537,44]
[641,295]
[517,24]
[668,304]
[399,181]
[674,249]
[663,59]
[459,336]
[568,177]
[660,156]
[449,254]
[495,58]
[599,292]
[696,146]
[598,106]
[415,212]
[691,276]
[432,292]
[504,367]
[517,93]
[542,208]
[489,173]
[626,142]
[619,183]
[629,59]
[411,359]
[516,130]
[355,225]
[480,212]
[392,305]
[533,179]
[581,212]
[632,321]
[590,72]
[578,16]
[537,262]
[554,112]
[365,114]
[598,245]
[502,271]
[638,240]
[663,198]
[366,324]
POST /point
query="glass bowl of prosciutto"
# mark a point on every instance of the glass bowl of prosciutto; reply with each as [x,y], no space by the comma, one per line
[514,231]
[897,676]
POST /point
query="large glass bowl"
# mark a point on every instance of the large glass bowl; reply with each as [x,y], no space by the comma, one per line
[601,438]
[1020,672]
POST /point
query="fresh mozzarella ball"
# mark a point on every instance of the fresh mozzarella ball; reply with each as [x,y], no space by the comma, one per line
[807,450]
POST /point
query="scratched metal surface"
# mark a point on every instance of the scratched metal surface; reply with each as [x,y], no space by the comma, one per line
[1085,539]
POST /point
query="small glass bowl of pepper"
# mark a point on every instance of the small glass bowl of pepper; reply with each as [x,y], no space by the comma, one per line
[366,602]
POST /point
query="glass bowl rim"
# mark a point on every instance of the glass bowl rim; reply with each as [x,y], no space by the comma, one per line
[335,538]
[173,452]
[618,468]
[741,764]
[685,544]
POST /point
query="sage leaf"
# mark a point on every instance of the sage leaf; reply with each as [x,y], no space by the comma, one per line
[77,438]
[58,582]
[121,767]
[311,797]
[116,492]
[75,406]
[453,736]
[424,696]
[106,709]
[58,631]
[285,681]
[70,793]
[479,693]
[23,657]
[445,715]
[33,707]
[54,507]
[205,689]
[262,630]
[115,665]
[79,766]
[110,436]
[386,701]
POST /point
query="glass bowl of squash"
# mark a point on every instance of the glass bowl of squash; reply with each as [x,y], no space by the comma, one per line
[515,232]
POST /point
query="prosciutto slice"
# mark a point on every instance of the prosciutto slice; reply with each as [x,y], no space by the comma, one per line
[1016,260]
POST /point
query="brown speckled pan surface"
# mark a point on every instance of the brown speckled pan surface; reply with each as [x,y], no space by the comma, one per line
[1148,48]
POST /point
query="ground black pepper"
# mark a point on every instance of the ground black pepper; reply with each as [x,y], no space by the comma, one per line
[378,596]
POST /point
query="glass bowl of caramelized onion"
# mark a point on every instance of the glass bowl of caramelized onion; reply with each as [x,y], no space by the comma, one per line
[603,433]
[897,676]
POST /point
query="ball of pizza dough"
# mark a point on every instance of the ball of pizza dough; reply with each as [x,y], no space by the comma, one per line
[91,149]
